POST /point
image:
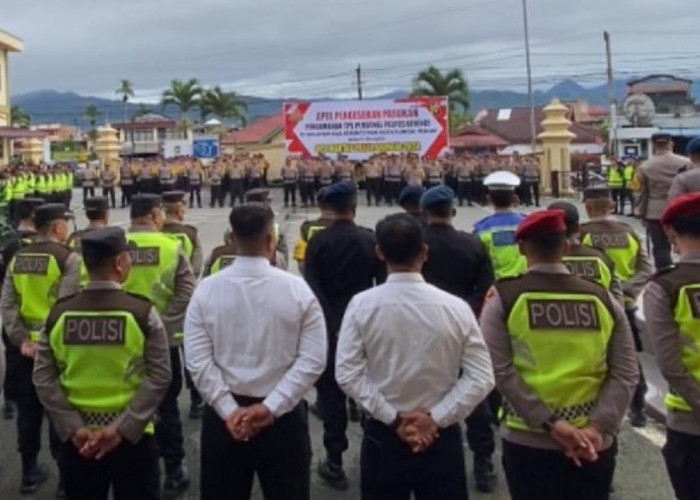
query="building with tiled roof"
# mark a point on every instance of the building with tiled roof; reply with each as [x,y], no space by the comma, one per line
[264,136]
[475,139]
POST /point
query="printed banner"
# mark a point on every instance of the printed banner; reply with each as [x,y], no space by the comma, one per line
[360,129]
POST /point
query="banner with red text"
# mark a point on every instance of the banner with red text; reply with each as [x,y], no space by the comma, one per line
[359,129]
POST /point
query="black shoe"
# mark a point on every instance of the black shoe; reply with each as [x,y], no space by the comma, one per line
[61,490]
[176,482]
[33,479]
[316,410]
[485,475]
[8,411]
[196,411]
[638,418]
[354,413]
[333,474]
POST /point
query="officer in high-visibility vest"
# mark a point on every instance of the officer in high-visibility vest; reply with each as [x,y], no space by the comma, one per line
[628,173]
[310,227]
[564,361]
[102,369]
[672,313]
[174,207]
[262,195]
[97,213]
[161,271]
[221,257]
[497,231]
[23,236]
[38,275]
[584,261]
[616,184]
[632,264]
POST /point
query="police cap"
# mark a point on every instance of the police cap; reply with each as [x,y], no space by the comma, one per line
[26,206]
[258,194]
[173,196]
[143,204]
[571,216]
[660,137]
[340,194]
[411,195]
[321,195]
[596,193]
[438,196]
[541,223]
[502,181]
[97,204]
[683,206]
[104,243]
[49,212]
[693,146]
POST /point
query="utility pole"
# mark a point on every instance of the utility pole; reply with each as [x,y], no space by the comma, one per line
[358,73]
[612,136]
[531,99]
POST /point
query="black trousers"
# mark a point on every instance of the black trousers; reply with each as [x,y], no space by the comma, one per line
[308,192]
[255,182]
[12,359]
[196,191]
[108,192]
[661,247]
[392,189]
[534,474]
[215,195]
[616,193]
[464,192]
[682,456]
[236,191]
[88,191]
[334,403]
[531,193]
[130,469]
[280,456]
[480,433]
[479,192]
[169,427]
[390,470]
[127,192]
[290,194]
[374,190]
[639,398]
[30,416]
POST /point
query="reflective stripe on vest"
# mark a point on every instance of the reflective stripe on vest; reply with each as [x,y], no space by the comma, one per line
[686,314]
[589,268]
[622,248]
[542,326]
[505,254]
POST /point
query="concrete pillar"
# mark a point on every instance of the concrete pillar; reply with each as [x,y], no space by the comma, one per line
[107,146]
[555,140]
[33,151]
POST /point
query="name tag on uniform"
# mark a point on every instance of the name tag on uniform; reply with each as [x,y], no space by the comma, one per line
[94,330]
[503,238]
[694,297]
[584,268]
[610,240]
[145,256]
[31,264]
[226,261]
[563,315]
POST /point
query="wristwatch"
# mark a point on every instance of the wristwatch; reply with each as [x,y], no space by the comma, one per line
[548,424]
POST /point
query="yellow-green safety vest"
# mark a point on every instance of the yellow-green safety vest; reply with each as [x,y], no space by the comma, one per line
[615,179]
[590,268]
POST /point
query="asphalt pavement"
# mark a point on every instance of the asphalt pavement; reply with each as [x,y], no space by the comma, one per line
[641,474]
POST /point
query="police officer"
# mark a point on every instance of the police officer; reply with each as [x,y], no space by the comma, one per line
[216,175]
[161,271]
[460,264]
[221,257]
[373,181]
[672,312]
[88,182]
[97,213]
[126,182]
[340,262]
[497,231]
[262,195]
[236,174]
[38,275]
[409,201]
[23,236]
[309,228]
[561,412]
[629,172]
[290,178]
[108,178]
[616,184]
[632,265]
[465,185]
[194,175]
[308,183]
[174,208]
[102,369]
[689,180]
[656,176]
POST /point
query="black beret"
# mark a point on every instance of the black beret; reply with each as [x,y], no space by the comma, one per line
[340,194]
[571,215]
[661,137]
[49,212]
[97,204]
[410,195]
[173,196]
[143,204]
[257,194]
[104,243]
[26,206]
[437,196]
[596,193]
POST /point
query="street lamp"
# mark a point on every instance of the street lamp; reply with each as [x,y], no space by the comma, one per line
[533,127]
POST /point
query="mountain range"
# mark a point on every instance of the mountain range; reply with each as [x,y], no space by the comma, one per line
[50,106]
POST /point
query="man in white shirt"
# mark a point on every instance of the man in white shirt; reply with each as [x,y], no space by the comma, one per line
[414,358]
[255,343]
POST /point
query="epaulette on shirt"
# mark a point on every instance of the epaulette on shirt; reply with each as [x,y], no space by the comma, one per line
[66,298]
[139,296]
[663,271]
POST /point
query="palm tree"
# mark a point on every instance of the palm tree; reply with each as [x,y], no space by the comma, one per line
[143,110]
[125,90]
[18,118]
[91,115]
[184,95]
[453,85]
[223,105]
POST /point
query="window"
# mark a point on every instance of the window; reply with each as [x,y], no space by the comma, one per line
[143,136]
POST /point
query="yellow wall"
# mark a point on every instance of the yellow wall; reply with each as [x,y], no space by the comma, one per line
[4,107]
[272,150]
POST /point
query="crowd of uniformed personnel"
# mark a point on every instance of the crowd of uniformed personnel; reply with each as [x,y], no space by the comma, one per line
[94,324]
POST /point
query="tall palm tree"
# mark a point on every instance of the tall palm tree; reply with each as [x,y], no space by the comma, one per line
[453,85]
[126,90]
[18,118]
[184,95]
[92,113]
[223,105]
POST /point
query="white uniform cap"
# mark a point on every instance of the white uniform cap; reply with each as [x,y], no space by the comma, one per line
[502,181]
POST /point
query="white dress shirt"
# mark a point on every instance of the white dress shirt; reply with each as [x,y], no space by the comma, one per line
[254,330]
[406,345]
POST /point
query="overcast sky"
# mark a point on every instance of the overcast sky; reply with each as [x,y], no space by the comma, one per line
[309,48]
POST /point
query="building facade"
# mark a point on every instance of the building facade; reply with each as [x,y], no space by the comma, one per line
[8,43]
[146,135]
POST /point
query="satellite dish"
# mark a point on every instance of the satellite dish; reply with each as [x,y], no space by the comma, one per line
[639,110]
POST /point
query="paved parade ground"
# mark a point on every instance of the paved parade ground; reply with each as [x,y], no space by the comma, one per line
[641,473]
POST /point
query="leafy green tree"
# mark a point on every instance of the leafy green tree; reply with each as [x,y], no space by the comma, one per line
[223,105]
[126,90]
[450,84]
[18,118]
[184,95]
[92,114]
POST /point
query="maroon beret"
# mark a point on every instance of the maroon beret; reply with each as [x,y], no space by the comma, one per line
[541,223]
[683,206]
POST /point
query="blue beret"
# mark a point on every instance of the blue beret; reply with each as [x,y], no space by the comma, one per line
[693,146]
[411,194]
[340,193]
[438,195]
